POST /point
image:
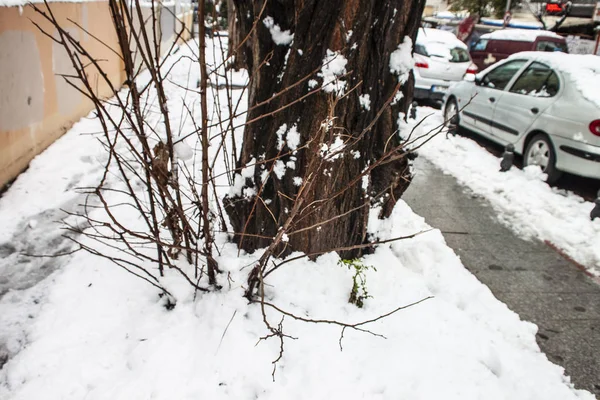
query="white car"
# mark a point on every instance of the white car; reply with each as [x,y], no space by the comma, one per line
[440,60]
[545,104]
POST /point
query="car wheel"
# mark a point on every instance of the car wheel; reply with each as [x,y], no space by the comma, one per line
[451,112]
[540,151]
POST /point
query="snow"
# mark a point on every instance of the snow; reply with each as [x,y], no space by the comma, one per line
[446,15]
[525,35]
[312,83]
[280,132]
[401,60]
[240,180]
[334,65]
[365,101]
[92,331]
[183,151]
[581,70]
[279,169]
[293,137]
[523,201]
[279,37]
[428,35]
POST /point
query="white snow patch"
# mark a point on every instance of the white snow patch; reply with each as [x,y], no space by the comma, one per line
[293,137]
[401,60]
[297,181]
[365,182]
[183,151]
[280,132]
[334,65]
[239,180]
[279,169]
[312,83]
[349,35]
[365,101]
[526,35]
[279,37]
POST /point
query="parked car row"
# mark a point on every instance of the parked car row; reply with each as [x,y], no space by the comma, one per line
[441,59]
[529,94]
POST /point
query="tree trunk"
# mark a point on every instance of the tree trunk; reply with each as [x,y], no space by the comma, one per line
[365,33]
[233,32]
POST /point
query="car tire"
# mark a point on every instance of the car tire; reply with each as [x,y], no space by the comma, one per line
[540,151]
[451,110]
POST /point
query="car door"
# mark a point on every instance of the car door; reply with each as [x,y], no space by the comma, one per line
[479,111]
[528,97]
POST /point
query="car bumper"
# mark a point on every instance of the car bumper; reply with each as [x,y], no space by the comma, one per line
[577,158]
[433,89]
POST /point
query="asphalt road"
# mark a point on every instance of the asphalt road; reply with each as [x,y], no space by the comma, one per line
[530,277]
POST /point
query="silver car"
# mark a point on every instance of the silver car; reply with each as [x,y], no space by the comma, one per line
[440,60]
[545,104]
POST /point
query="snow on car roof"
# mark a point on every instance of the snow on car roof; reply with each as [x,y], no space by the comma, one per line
[525,35]
[582,70]
[428,35]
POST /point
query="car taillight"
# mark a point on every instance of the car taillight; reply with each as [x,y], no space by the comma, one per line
[595,127]
[421,65]
[472,69]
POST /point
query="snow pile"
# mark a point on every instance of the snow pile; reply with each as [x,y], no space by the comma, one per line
[292,137]
[279,37]
[365,101]
[101,333]
[522,200]
[401,60]
[428,35]
[522,35]
[582,71]
[334,65]
[104,334]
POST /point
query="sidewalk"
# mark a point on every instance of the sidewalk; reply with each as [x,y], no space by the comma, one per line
[530,277]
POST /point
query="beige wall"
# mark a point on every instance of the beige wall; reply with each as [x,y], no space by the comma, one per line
[36,105]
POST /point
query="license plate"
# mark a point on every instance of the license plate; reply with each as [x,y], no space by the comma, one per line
[439,89]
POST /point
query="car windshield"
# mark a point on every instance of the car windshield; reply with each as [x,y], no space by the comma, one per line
[447,52]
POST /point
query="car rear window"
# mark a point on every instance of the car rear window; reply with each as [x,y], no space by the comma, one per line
[445,51]
[551,46]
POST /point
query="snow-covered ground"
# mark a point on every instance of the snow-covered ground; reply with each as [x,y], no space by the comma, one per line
[522,200]
[90,331]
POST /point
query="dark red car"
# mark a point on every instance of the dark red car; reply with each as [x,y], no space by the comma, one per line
[495,46]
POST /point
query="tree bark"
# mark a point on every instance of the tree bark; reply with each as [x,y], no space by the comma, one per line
[365,33]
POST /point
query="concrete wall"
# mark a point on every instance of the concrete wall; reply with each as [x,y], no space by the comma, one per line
[36,105]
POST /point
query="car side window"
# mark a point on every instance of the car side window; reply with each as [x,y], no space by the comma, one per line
[551,46]
[500,76]
[537,80]
[480,45]
[420,49]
